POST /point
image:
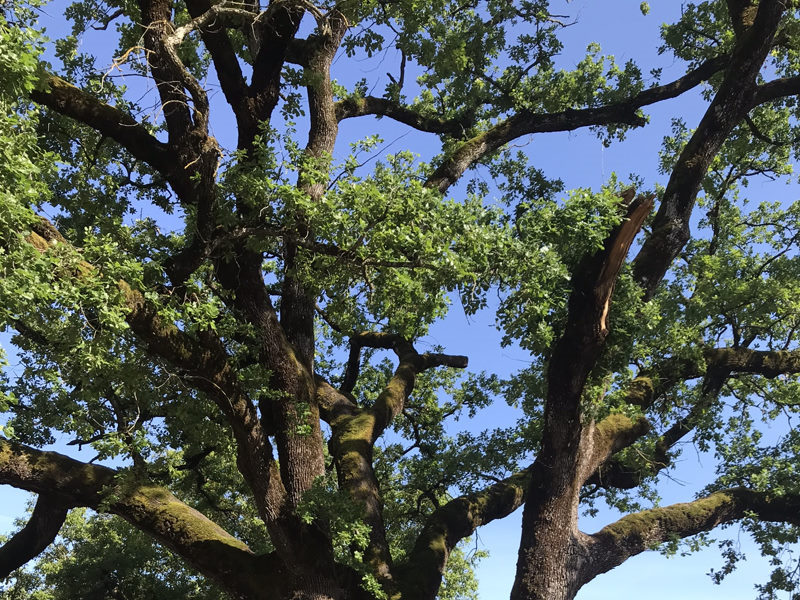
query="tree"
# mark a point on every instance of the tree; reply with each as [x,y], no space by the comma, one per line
[214,317]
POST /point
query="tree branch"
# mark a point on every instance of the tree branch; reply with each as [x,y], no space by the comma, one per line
[421,576]
[593,282]
[735,97]
[205,366]
[153,509]
[370,105]
[42,528]
[355,431]
[525,123]
[776,89]
[611,435]
[226,63]
[70,101]
[635,533]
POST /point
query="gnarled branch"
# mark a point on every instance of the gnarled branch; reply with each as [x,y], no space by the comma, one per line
[421,576]
[153,509]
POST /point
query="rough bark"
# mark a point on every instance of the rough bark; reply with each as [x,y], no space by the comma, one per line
[551,549]
[639,532]
[736,96]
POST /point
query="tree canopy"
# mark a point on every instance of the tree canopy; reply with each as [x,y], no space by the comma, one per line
[205,287]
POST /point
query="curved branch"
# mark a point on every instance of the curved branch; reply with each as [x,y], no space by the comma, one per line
[42,528]
[633,534]
[205,364]
[154,510]
[421,576]
[611,435]
[355,431]
[226,63]
[525,123]
[370,105]
[224,14]
[70,101]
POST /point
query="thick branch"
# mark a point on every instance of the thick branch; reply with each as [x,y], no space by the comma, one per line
[40,531]
[577,350]
[611,435]
[635,533]
[720,363]
[526,123]
[204,364]
[421,576]
[70,101]
[226,63]
[355,431]
[153,509]
[735,98]
[776,89]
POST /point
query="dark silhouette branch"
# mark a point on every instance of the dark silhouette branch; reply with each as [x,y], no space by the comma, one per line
[736,96]
[42,528]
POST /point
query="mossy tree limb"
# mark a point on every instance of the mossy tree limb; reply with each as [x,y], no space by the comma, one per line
[645,530]
[209,548]
[421,575]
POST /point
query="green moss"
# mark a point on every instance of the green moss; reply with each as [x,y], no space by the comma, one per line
[656,524]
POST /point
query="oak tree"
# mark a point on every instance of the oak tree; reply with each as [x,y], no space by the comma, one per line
[226,305]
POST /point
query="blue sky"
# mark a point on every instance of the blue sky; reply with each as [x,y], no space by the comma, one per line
[580,159]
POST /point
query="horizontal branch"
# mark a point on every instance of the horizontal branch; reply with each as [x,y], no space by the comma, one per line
[638,532]
[760,362]
[776,89]
[370,105]
[224,14]
[526,122]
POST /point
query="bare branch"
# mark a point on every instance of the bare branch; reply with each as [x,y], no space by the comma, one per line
[370,105]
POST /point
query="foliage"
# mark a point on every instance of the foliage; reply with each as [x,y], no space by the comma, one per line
[222,304]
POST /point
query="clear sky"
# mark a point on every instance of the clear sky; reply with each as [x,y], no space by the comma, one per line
[581,161]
